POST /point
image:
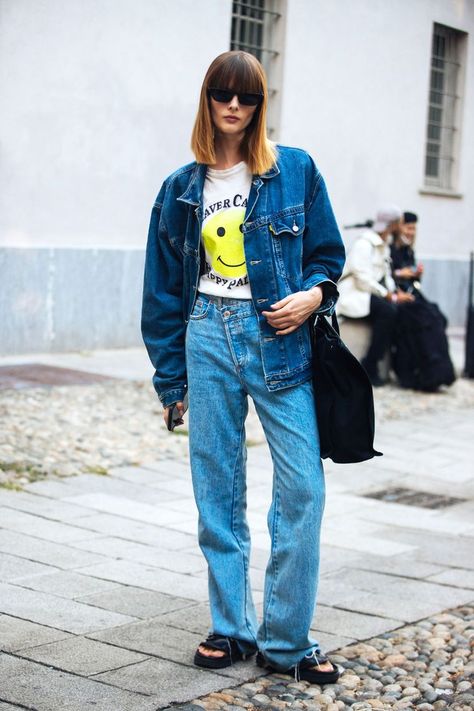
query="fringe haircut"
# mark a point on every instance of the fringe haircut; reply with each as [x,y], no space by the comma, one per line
[242,72]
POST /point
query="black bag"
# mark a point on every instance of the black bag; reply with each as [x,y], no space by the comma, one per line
[420,356]
[344,397]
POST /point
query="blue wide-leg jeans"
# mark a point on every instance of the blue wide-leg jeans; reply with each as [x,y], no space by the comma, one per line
[224,367]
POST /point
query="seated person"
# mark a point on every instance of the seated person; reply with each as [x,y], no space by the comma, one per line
[406,272]
[367,289]
[420,348]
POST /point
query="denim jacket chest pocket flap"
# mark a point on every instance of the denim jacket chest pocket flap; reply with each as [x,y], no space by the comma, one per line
[287,225]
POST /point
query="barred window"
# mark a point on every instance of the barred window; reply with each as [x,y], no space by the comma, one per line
[257,28]
[444,108]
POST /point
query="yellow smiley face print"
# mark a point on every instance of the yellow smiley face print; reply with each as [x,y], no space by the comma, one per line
[224,242]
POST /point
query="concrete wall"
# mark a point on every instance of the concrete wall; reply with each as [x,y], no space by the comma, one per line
[81,299]
[68,299]
[355,94]
[98,101]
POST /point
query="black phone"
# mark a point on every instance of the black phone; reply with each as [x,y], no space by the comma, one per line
[174,417]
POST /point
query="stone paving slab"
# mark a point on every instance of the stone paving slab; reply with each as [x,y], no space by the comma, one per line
[129,582]
[135,491]
[153,638]
[67,615]
[142,576]
[337,621]
[195,619]
[172,468]
[137,602]
[139,475]
[457,577]
[16,633]
[66,583]
[364,543]
[41,506]
[121,506]
[328,641]
[43,528]
[402,516]
[54,554]
[449,551]
[12,567]
[43,689]
[160,678]
[176,561]
[170,643]
[334,558]
[436,486]
[54,488]
[127,529]
[397,592]
[397,598]
[82,656]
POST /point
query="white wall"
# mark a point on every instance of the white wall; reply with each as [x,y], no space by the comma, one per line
[355,94]
[98,102]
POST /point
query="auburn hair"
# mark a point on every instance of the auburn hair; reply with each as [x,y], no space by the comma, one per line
[241,72]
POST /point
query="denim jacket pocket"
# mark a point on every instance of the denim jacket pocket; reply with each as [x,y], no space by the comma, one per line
[286,230]
[287,225]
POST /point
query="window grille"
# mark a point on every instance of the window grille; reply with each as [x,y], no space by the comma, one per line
[256,28]
[251,21]
[443,107]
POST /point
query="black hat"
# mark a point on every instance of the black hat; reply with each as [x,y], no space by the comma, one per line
[409,217]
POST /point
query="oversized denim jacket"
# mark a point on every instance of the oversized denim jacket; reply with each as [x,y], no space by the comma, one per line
[291,243]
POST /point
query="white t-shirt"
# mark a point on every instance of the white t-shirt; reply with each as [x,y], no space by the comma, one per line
[225,199]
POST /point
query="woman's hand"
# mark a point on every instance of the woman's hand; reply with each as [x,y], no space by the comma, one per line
[289,313]
[180,407]
[405,273]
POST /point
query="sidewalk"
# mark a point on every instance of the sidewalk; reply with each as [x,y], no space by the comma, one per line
[103,588]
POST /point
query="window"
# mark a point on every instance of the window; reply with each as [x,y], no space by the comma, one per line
[257,28]
[444,108]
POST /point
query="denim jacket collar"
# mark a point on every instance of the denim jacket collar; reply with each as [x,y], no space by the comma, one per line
[193,192]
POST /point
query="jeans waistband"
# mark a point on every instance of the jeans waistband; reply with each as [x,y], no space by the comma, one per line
[223,300]
[230,307]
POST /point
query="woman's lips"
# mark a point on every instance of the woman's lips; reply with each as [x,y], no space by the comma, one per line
[232,119]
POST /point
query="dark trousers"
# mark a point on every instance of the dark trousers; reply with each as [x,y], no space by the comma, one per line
[382,318]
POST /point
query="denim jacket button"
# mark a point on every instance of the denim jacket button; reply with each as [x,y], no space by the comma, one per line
[226,313]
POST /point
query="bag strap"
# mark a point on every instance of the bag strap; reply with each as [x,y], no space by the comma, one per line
[334,322]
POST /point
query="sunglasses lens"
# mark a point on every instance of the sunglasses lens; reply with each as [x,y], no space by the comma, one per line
[250,99]
[221,95]
[226,95]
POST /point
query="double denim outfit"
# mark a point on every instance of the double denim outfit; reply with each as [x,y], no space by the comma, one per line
[220,351]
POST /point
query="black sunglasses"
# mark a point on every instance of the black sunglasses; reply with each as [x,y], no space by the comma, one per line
[224,96]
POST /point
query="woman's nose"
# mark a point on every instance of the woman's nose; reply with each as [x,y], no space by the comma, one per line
[234,103]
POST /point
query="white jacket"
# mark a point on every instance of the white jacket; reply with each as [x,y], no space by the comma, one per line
[367,264]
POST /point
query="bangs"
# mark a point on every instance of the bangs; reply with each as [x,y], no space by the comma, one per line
[236,72]
[241,73]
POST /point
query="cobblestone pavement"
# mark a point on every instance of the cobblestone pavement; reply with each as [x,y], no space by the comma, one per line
[70,429]
[428,665]
[103,588]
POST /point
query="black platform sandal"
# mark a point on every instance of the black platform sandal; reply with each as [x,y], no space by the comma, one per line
[228,645]
[304,670]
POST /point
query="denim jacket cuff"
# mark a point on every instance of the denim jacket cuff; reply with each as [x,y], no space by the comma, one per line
[170,397]
[330,297]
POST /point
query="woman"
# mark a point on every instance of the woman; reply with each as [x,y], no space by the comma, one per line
[243,247]
[420,349]
[406,272]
